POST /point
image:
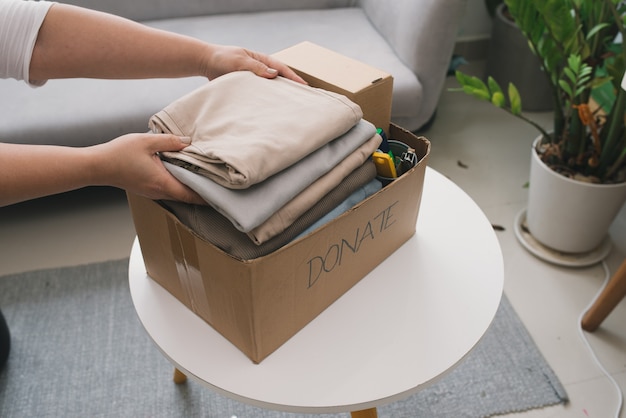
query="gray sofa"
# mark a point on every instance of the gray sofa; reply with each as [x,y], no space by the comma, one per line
[411,39]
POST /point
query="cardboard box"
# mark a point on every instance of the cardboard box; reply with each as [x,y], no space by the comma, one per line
[367,86]
[259,304]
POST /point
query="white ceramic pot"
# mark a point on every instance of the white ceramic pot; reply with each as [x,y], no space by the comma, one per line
[568,215]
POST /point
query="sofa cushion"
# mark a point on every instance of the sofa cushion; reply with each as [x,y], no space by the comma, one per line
[71,112]
[347,31]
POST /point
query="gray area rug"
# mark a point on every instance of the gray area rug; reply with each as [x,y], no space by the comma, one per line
[80,351]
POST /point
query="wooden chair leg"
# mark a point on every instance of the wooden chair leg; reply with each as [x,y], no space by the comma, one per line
[365,413]
[614,291]
[179,377]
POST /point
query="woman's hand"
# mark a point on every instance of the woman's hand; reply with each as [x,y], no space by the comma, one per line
[224,59]
[131,162]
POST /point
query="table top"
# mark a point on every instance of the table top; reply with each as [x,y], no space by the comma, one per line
[403,326]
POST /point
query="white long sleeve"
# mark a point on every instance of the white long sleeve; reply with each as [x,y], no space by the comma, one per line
[20,21]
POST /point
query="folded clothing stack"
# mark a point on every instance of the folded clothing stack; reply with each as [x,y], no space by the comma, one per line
[271,157]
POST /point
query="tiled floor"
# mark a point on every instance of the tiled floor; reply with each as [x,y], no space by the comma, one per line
[485,152]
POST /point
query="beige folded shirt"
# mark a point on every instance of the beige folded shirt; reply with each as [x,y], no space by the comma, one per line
[245,128]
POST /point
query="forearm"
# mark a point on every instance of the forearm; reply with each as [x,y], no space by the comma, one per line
[31,171]
[129,162]
[77,42]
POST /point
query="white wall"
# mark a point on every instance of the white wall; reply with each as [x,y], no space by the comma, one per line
[476,23]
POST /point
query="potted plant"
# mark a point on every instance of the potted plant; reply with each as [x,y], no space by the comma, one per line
[585,150]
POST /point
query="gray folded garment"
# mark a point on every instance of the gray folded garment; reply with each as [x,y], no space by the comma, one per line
[293,209]
[249,208]
[245,128]
[210,225]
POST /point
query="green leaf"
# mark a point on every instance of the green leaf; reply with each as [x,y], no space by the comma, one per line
[473,86]
[574,61]
[597,29]
[497,99]
[494,87]
[561,24]
[599,82]
[585,71]
[461,77]
[579,91]
[570,74]
[515,100]
[566,88]
[478,93]
[467,80]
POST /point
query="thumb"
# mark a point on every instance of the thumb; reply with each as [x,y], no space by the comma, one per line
[167,142]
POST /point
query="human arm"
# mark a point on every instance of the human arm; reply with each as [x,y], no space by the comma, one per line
[78,42]
[129,162]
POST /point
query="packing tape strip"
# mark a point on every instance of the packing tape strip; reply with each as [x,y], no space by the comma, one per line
[187,266]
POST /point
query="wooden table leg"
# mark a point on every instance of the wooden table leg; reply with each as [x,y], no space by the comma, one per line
[179,377]
[365,413]
[614,291]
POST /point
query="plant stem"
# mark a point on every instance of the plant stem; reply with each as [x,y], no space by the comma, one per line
[615,128]
[616,165]
[533,123]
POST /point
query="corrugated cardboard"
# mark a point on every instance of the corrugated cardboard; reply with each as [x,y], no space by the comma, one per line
[259,304]
[370,87]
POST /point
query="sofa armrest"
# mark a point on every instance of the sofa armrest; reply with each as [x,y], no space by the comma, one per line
[422,33]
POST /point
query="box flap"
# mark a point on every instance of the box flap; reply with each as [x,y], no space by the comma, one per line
[314,61]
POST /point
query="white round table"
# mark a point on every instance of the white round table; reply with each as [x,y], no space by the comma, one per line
[403,326]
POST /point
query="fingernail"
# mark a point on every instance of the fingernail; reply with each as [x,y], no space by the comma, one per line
[271,71]
[185,139]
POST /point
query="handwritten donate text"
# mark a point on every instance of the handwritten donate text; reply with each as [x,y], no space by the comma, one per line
[334,256]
